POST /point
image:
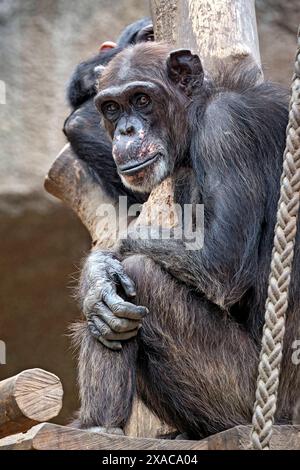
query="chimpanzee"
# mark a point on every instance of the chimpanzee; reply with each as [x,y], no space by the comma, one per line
[197,315]
[90,142]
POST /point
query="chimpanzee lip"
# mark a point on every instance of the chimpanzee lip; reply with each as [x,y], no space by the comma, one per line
[134,168]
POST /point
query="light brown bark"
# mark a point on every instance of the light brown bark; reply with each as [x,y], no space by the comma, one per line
[31,397]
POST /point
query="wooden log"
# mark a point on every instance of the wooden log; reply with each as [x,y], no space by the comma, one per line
[222,29]
[31,397]
[143,423]
[165,17]
[215,29]
[54,437]
[238,438]
[48,436]
[71,180]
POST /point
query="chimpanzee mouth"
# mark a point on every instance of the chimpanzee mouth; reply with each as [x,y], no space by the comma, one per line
[135,167]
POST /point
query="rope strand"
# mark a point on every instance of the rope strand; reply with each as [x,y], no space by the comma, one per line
[280,275]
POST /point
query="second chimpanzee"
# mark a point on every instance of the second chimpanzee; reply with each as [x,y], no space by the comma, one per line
[82,127]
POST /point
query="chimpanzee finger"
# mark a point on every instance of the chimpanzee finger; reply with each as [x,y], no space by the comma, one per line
[118,325]
[97,331]
[107,334]
[91,298]
[127,284]
[121,308]
[122,336]
[114,345]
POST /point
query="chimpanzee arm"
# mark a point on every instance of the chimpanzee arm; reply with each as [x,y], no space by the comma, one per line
[236,152]
[226,266]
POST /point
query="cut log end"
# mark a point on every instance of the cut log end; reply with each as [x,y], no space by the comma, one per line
[38,394]
[31,397]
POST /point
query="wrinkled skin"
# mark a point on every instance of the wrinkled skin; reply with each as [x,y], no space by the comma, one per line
[111,318]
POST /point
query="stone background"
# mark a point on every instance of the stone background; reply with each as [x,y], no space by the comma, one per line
[42,242]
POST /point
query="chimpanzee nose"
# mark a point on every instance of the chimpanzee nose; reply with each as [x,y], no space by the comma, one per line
[127,130]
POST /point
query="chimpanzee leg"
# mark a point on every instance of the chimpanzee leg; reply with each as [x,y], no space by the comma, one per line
[196,367]
[107,381]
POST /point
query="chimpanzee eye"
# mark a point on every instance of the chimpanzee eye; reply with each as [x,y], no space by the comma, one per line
[150,37]
[142,100]
[110,109]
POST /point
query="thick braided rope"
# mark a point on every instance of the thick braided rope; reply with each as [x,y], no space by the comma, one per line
[281,266]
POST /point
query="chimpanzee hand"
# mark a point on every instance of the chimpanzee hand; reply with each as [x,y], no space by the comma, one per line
[110,318]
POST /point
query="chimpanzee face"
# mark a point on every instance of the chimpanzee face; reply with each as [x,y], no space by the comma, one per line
[132,115]
[146,118]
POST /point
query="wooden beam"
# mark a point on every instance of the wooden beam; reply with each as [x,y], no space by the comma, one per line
[143,423]
[31,397]
[54,437]
[48,436]
[238,438]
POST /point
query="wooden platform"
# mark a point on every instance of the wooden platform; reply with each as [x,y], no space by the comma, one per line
[48,436]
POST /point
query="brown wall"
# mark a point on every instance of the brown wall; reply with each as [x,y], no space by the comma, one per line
[42,242]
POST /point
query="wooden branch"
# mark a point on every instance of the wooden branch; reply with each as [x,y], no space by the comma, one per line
[31,397]
[71,180]
[48,436]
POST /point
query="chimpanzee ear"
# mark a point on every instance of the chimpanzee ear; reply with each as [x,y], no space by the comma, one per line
[183,66]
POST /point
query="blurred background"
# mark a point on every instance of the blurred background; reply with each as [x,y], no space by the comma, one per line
[41,242]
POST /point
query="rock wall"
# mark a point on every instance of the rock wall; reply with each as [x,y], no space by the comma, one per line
[42,242]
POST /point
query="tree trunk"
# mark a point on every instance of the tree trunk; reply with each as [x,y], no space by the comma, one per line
[215,29]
